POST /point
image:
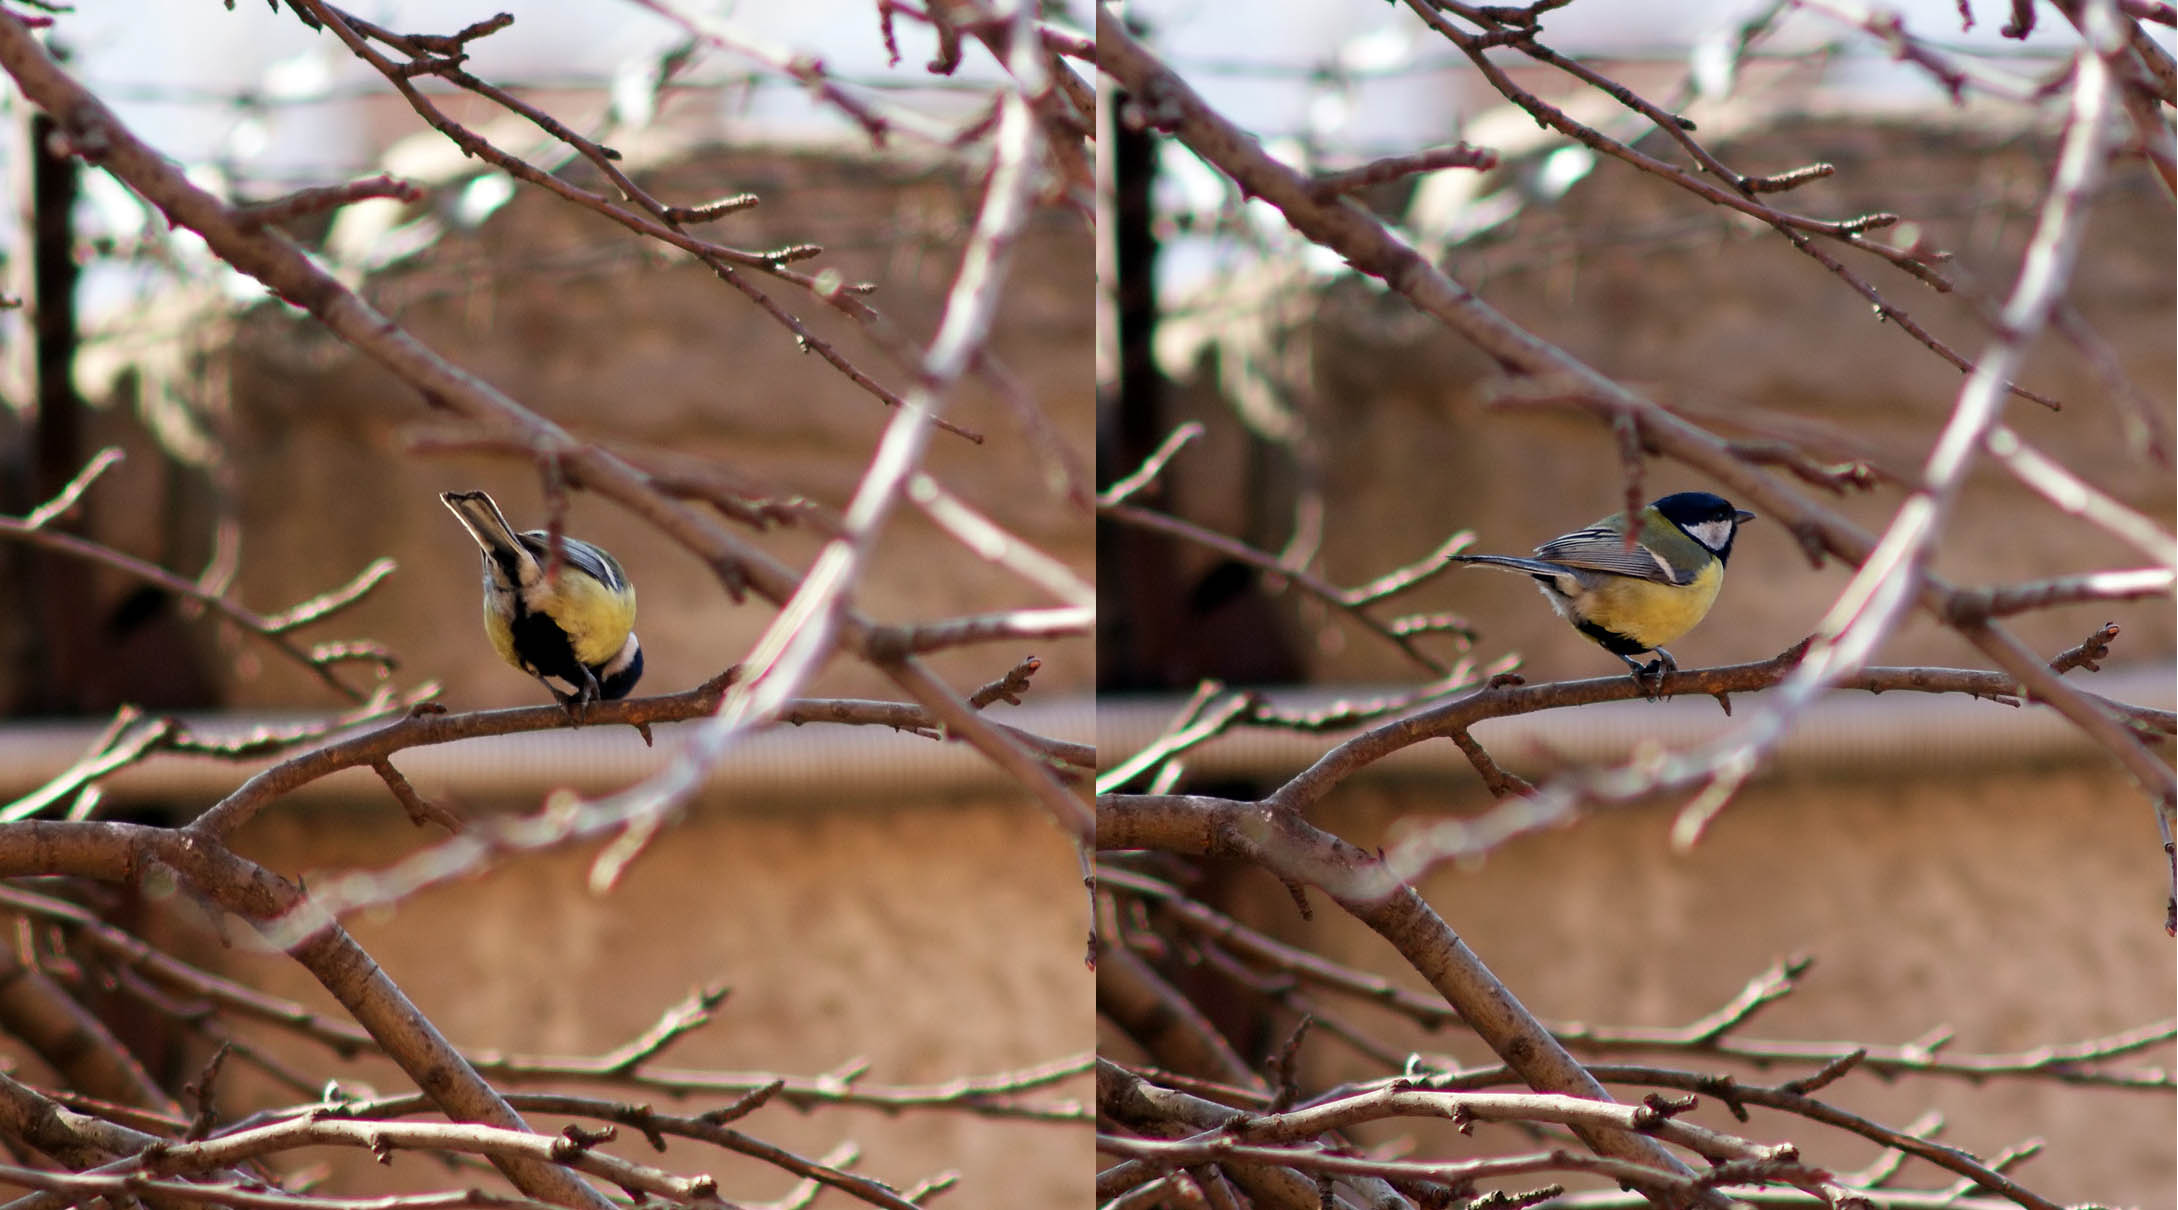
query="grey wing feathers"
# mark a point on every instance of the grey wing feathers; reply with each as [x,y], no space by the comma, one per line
[1601,549]
[580,555]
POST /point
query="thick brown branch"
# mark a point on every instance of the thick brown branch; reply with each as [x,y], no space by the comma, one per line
[417,730]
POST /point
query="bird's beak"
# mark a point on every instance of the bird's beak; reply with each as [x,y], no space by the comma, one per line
[1742,516]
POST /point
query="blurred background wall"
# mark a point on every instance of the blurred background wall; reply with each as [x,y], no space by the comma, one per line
[1950,864]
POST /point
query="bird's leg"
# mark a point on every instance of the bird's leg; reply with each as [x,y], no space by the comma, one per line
[588,693]
[1663,665]
[577,704]
[567,701]
[1650,676]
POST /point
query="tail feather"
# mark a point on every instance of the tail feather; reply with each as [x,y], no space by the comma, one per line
[1533,567]
[481,517]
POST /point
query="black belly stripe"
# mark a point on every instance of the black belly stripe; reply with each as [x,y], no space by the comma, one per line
[540,643]
[1611,640]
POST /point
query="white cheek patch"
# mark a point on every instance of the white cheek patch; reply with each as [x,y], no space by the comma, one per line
[1712,534]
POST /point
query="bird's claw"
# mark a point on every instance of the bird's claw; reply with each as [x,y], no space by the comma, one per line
[1650,676]
[577,706]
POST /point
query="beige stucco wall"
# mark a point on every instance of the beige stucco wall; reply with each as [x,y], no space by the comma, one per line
[934,940]
[2016,910]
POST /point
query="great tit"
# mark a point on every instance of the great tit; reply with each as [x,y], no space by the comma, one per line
[1633,601]
[575,625]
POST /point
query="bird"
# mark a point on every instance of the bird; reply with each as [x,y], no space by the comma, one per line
[1633,600]
[570,620]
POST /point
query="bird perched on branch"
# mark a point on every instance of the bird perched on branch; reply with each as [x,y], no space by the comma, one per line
[568,618]
[1633,600]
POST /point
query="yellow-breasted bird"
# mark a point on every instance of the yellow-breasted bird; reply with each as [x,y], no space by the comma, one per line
[1633,601]
[575,625]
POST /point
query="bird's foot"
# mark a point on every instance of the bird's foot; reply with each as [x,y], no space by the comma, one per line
[1650,676]
[577,706]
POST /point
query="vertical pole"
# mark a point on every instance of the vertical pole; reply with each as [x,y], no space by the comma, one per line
[1139,593]
[58,660]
